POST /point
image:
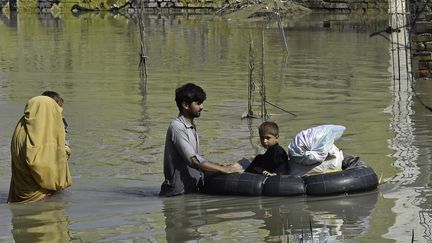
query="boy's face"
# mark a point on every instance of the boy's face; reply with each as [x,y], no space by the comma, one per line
[268,140]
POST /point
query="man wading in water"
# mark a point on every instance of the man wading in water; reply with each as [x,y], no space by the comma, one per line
[183,165]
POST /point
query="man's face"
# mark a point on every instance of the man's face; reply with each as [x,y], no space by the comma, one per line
[193,110]
[268,140]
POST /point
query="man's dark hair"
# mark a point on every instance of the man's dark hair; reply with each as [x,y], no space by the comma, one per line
[189,93]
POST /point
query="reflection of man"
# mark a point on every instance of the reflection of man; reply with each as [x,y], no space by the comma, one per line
[195,218]
[182,162]
[40,222]
[183,218]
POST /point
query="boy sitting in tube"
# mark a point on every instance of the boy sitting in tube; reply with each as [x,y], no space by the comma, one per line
[275,160]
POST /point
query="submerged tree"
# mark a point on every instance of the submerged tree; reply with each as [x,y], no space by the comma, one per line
[143,57]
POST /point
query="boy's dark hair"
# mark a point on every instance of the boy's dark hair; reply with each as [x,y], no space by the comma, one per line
[55,96]
[189,93]
[269,127]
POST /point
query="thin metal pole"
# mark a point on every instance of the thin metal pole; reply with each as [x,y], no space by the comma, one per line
[263,91]
[279,20]
[392,49]
[143,57]
[397,37]
[250,81]
[411,22]
[407,51]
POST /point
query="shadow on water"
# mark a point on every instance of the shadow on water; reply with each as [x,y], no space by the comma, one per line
[195,218]
[3,197]
[138,191]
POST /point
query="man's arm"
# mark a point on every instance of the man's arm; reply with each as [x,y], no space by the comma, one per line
[180,139]
[208,166]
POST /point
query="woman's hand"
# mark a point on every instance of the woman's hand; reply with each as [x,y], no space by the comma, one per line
[68,151]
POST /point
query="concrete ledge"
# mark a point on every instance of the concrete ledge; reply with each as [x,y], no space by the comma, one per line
[423,56]
[423,27]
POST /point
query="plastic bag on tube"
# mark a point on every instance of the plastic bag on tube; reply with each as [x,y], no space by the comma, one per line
[312,146]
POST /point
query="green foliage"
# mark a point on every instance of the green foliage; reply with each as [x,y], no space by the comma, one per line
[5,10]
[101,4]
[26,6]
[198,3]
[30,6]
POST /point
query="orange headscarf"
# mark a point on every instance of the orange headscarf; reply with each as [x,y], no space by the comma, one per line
[38,151]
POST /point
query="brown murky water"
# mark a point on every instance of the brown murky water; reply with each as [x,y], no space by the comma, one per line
[118,124]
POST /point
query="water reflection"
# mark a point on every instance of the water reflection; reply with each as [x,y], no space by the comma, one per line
[406,152]
[195,218]
[10,20]
[118,123]
[253,135]
[40,222]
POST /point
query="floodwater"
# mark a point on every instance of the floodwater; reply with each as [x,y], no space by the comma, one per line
[117,124]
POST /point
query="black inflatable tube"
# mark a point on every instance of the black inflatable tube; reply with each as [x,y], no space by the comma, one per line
[249,184]
[284,185]
[245,184]
[355,179]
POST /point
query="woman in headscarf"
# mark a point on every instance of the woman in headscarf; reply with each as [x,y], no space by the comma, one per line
[39,153]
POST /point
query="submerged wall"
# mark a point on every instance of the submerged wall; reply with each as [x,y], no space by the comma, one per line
[347,6]
[421,38]
[338,6]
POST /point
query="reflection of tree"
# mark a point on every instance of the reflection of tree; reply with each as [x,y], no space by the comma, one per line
[143,68]
[319,217]
[145,117]
[296,218]
[345,216]
[251,135]
[10,20]
[40,222]
[143,57]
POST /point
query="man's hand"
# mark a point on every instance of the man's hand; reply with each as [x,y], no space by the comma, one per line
[218,167]
[266,173]
[234,168]
[222,164]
